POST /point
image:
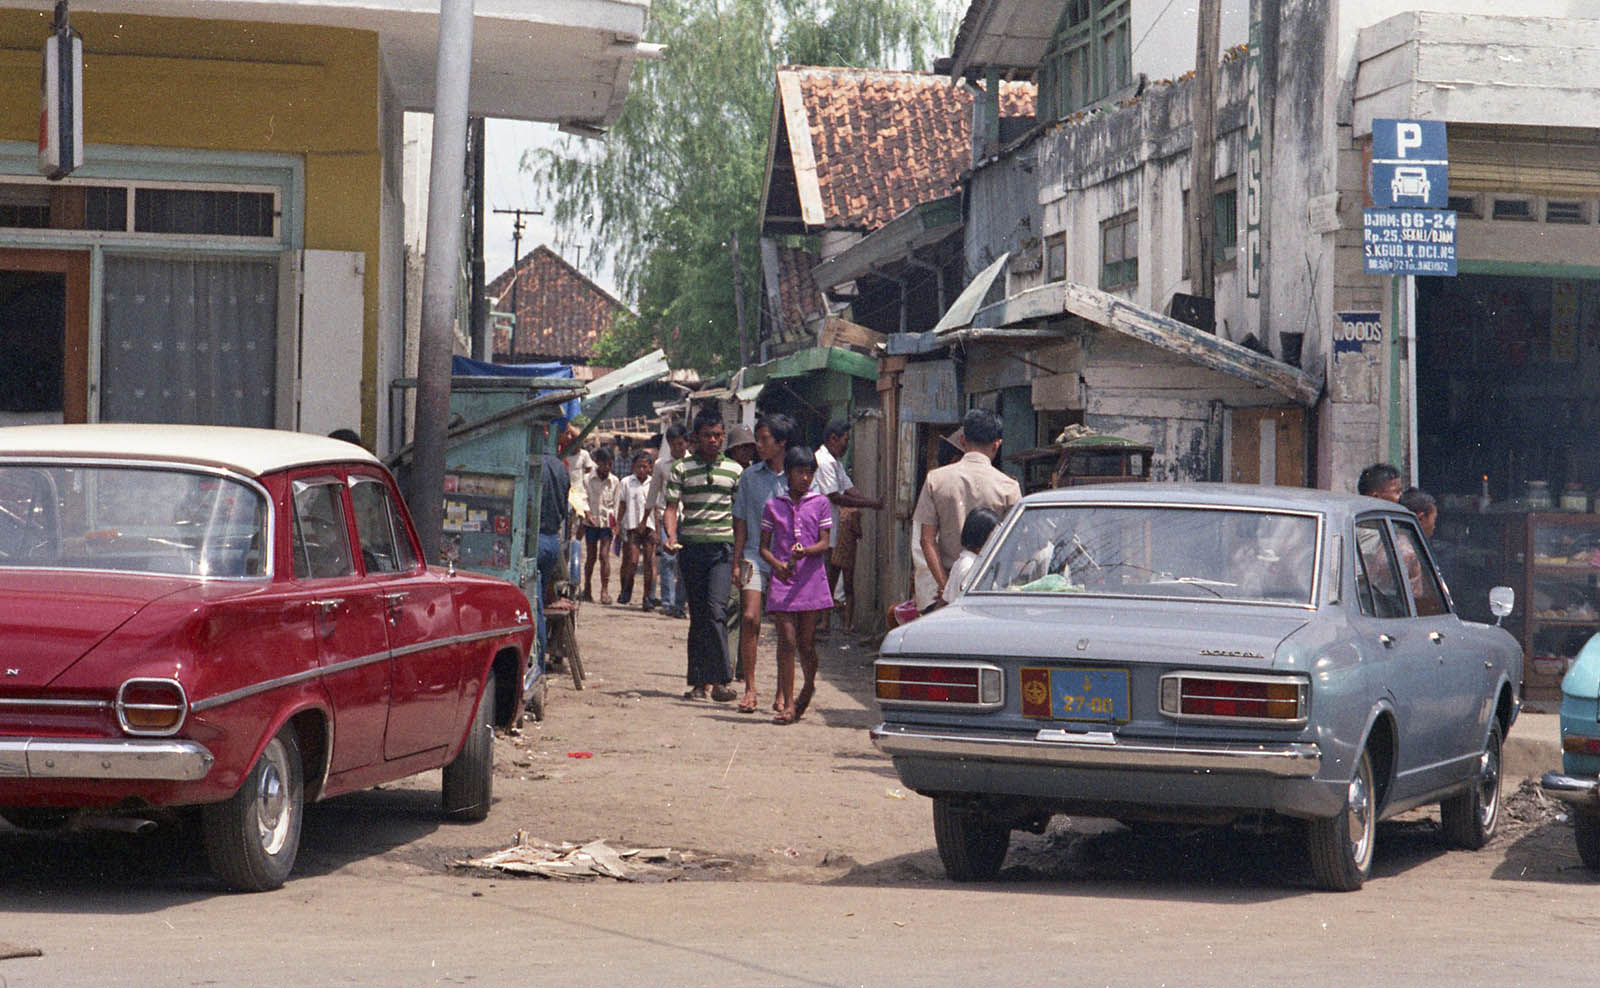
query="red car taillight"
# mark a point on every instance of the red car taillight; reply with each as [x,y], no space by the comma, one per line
[1222,696]
[1577,744]
[155,707]
[967,684]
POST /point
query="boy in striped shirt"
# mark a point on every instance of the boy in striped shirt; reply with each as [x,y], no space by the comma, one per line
[699,518]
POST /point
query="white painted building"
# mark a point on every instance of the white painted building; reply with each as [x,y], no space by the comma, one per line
[1109,166]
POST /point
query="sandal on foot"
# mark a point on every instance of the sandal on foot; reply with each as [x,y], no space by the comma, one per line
[747,706]
[722,694]
[803,701]
[605,599]
[782,718]
[698,693]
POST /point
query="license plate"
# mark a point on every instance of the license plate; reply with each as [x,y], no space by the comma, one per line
[1076,694]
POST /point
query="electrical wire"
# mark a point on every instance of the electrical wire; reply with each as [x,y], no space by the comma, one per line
[1152,27]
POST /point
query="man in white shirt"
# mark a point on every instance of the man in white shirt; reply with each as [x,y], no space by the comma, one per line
[833,482]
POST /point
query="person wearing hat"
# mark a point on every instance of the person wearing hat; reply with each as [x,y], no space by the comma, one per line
[741,445]
[757,485]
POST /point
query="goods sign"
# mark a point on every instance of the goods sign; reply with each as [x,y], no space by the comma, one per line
[1356,331]
[1357,357]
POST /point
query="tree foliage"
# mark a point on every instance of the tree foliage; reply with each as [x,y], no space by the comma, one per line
[681,170]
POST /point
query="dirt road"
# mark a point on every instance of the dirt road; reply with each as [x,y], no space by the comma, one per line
[809,865]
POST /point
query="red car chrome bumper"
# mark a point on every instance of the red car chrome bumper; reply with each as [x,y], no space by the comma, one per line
[61,758]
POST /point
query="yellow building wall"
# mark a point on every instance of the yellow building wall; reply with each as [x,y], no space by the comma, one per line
[229,86]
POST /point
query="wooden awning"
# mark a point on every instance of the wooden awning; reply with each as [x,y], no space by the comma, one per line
[1034,315]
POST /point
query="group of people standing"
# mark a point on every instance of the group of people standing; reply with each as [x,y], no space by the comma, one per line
[724,508]
[764,523]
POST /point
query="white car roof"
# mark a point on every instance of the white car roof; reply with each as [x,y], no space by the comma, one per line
[247,451]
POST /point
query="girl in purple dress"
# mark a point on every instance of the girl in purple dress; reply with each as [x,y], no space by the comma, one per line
[794,540]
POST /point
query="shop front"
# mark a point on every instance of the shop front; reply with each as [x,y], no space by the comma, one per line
[1508,441]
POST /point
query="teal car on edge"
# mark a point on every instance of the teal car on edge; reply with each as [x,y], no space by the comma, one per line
[1578,782]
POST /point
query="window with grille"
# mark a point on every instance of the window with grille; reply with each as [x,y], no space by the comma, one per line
[156,209]
[1565,211]
[1089,58]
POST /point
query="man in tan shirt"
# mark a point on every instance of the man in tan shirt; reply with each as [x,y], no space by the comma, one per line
[951,492]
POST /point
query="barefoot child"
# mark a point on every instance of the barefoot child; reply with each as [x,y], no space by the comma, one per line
[600,522]
[794,539]
[637,529]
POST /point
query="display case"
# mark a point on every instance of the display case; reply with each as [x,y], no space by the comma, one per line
[1560,596]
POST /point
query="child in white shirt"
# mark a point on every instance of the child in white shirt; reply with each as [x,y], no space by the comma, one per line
[974,533]
[637,528]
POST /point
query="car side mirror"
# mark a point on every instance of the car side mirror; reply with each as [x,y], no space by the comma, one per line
[1501,600]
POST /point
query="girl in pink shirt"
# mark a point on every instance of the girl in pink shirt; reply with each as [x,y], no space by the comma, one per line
[794,540]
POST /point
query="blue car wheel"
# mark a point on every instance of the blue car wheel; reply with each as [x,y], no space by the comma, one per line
[1586,830]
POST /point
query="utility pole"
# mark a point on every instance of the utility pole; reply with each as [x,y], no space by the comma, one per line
[1203,152]
[738,300]
[516,260]
[481,347]
[440,277]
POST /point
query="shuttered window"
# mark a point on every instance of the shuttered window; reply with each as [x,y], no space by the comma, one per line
[1090,57]
[1563,163]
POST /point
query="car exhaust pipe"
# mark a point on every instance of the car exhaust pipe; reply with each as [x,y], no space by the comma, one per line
[120,824]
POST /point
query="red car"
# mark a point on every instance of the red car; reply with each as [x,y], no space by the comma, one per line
[238,620]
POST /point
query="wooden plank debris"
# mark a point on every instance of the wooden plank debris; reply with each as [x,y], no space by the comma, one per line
[583,862]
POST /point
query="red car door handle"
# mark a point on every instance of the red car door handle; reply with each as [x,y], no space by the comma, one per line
[393,603]
[328,603]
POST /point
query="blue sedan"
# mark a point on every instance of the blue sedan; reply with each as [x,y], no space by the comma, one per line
[1201,653]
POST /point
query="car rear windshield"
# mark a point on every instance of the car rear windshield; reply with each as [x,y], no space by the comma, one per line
[131,519]
[1155,551]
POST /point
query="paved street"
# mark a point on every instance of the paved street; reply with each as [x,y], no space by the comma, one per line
[805,864]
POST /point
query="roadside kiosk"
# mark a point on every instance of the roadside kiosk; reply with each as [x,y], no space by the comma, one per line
[502,417]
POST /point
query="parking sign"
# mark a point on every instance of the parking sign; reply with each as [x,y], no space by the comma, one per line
[1410,164]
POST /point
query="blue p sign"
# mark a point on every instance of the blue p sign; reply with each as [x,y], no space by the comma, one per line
[1413,142]
[1410,164]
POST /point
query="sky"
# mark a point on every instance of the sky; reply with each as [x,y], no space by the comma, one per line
[507,186]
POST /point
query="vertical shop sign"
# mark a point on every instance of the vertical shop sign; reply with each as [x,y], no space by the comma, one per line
[1252,161]
[61,100]
[1357,354]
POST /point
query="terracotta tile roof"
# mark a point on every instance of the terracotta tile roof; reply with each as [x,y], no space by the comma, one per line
[800,301]
[884,141]
[560,311]
[1018,99]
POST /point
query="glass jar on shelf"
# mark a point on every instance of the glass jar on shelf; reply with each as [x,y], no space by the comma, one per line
[1574,498]
[1537,496]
